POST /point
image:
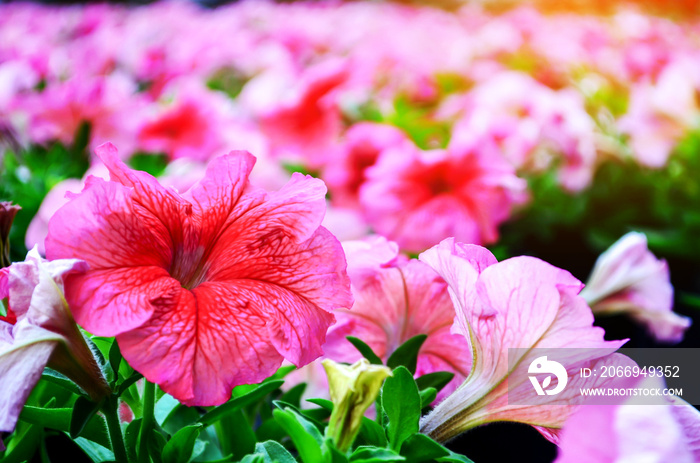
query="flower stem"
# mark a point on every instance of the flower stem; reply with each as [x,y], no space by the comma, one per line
[149,396]
[111,412]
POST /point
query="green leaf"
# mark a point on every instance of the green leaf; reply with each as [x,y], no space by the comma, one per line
[239,402]
[427,396]
[180,447]
[23,447]
[323,403]
[269,452]
[57,378]
[95,452]
[235,435]
[419,448]
[126,384]
[306,437]
[372,454]
[371,433]
[407,354]
[293,396]
[157,443]
[365,350]
[60,419]
[131,438]
[83,410]
[438,380]
[402,405]
[115,358]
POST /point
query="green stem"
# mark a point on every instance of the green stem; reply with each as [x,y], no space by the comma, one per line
[149,396]
[110,410]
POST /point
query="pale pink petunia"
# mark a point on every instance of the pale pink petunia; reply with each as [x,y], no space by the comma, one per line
[520,302]
[633,431]
[207,290]
[660,114]
[362,144]
[396,299]
[628,278]
[533,125]
[40,331]
[418,198]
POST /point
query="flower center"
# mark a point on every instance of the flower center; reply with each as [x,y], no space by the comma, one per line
[188,267]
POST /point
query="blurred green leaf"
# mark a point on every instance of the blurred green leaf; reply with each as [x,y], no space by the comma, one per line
[239,402]
[407,353]
[365,350]
[180,447]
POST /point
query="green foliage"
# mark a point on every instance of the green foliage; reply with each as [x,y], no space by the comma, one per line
[260,423]
[27,176]
[402,404]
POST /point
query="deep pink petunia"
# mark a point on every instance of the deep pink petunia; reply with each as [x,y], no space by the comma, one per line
[305,124]
[362,145]
[521,302]
[418,198]
[208,290]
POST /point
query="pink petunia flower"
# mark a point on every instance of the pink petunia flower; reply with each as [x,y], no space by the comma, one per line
[305,124]
[207,290]
[40,330]
[520,302]
[107,103]
[628,278]
[632,431]
[396,299]
[660,114]
[363,143]
[180,174]
[418,198]
[191,126]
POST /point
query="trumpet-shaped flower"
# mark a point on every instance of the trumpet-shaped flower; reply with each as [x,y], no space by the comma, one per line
[628,278]
[353,389]
[40,331]
[418,198]
[633,431]
[208,290]
[395,300]
[521,302]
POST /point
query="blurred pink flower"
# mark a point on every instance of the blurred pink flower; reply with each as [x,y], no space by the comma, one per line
[361,147]
[190,126]
[660,114]
[306,123]
[396,299]
[418,198]
[632,431]
[628,278]
[531,124]
[108,103]
[40,331]
[207,290]
[520,302]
